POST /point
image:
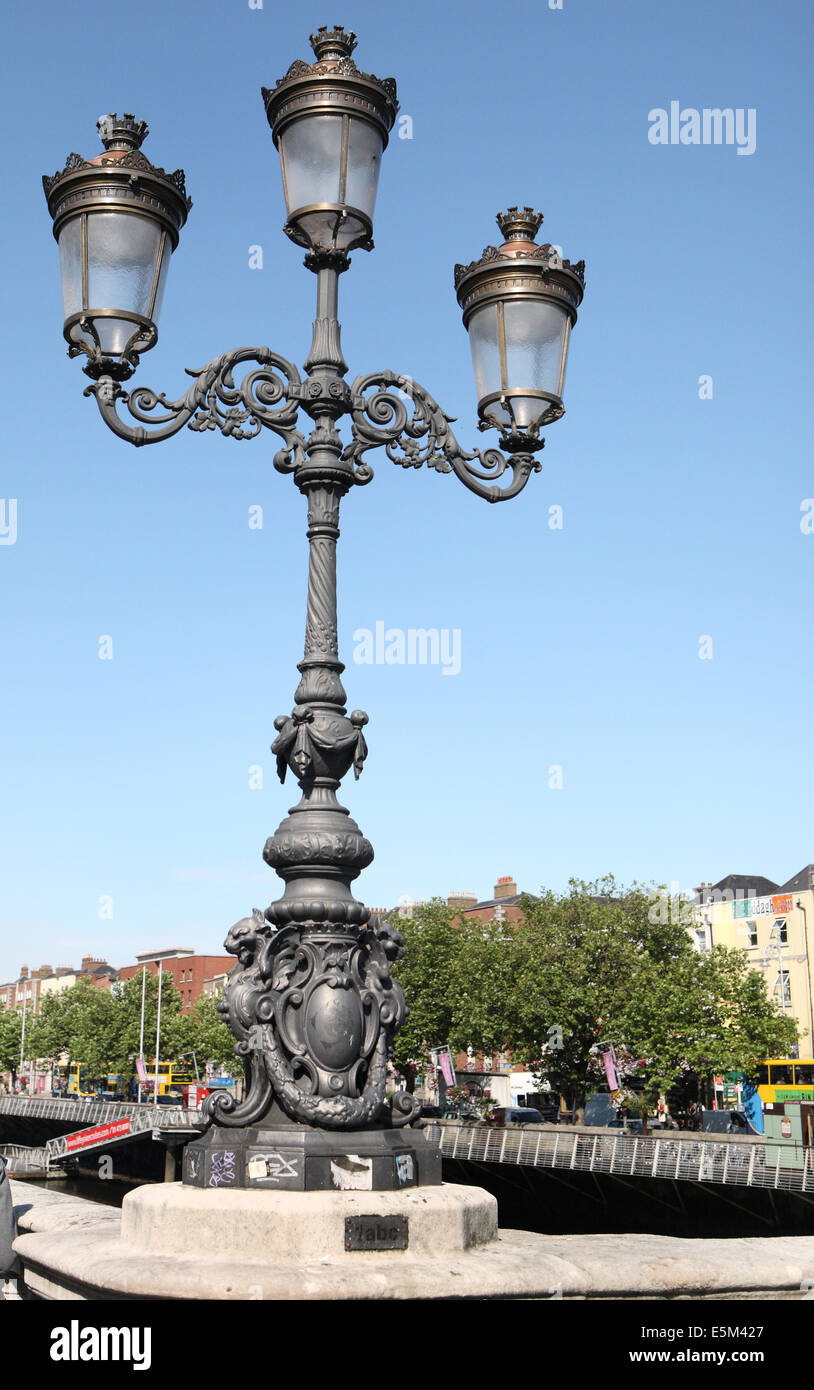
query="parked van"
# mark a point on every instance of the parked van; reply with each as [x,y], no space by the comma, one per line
[514,1115]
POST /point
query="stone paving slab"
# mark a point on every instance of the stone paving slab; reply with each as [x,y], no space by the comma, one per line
[84,1258]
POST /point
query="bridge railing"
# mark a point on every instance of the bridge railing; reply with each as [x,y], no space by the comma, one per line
[781,1167]
[93,1112]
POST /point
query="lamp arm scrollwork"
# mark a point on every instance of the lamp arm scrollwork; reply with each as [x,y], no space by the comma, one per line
[212,402]
[380,416]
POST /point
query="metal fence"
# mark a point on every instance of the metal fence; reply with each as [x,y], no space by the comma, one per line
[94,1112]
[786,1167]
[85,1115]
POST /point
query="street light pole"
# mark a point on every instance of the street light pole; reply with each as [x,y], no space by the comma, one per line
[312,1003]
[22,1035]
[141,1029]
[158,1035]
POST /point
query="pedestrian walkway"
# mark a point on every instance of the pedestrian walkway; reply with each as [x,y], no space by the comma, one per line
[787,1167]
[105,1123]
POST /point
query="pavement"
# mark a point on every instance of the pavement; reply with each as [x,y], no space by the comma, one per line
[71,1248]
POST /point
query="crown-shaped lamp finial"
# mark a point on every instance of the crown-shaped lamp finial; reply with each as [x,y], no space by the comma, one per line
[519,224]
[333,43]
[122,132]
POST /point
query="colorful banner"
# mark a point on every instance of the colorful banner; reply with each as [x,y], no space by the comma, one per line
[445,1065]
[610,1071]
[98,1135]
[762,907]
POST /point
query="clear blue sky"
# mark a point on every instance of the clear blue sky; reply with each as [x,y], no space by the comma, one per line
[130,778]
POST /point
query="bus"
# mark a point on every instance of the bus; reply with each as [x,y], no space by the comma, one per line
[77,1080]
[784,1079]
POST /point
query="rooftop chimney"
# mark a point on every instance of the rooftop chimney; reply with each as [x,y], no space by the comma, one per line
[506,887]
[459,902]
[23,972]
[90,962]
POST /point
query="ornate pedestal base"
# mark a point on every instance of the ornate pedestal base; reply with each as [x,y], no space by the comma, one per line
[297,1158]
[348,1227]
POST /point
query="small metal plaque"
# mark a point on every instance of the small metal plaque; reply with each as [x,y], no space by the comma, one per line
[376,1233]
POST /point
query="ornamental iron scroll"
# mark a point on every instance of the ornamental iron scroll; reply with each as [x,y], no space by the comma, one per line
[424,436]
[214,402]
[315,1011]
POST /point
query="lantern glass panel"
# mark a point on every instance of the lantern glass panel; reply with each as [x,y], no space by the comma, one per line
[311,154]
[535,339]
[485,344]
[364,163]
[123,249]
[70,264]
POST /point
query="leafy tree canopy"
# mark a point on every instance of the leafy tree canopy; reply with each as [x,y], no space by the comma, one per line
[600,963]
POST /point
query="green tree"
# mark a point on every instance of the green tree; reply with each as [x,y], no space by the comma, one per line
[578,958]
[208,1034]
[599,963]
[428,975]
[485,1007]
[79,1022]
[100,1028]
[606,966]
[11,1032]
[175,1032]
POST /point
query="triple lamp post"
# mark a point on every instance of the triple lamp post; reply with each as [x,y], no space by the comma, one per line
[311,1000]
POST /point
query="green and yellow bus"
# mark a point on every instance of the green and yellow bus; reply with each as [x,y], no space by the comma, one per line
[781,1079]
[77,1080]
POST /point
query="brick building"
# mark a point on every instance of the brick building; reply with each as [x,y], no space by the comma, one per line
[503,907]
[193,975]
[33,986]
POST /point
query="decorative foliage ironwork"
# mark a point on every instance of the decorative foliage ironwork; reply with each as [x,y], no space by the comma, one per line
[215,402]
[424,436]
[132,159]
[315,1010]
[546,253]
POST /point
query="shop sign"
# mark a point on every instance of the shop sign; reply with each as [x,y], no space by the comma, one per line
[762,907]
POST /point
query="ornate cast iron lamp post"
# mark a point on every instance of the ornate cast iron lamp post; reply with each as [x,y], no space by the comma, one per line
[311,1000]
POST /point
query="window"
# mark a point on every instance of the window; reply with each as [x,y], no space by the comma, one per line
[780,930]
[751,932]
[782,986]
[782,1076]
[803,1075]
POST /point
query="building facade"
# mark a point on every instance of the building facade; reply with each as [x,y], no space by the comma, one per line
[774,924]
[193,975]
[32,986]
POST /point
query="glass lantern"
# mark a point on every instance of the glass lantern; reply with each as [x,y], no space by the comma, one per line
[519,305]
[116,219]
[330,123]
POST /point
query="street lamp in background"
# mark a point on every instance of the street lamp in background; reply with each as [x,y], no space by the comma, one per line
[312,1002]
[182,1057]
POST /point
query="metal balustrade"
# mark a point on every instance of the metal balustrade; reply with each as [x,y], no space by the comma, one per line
[698,1160]
[88,1116]
[94,1112]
